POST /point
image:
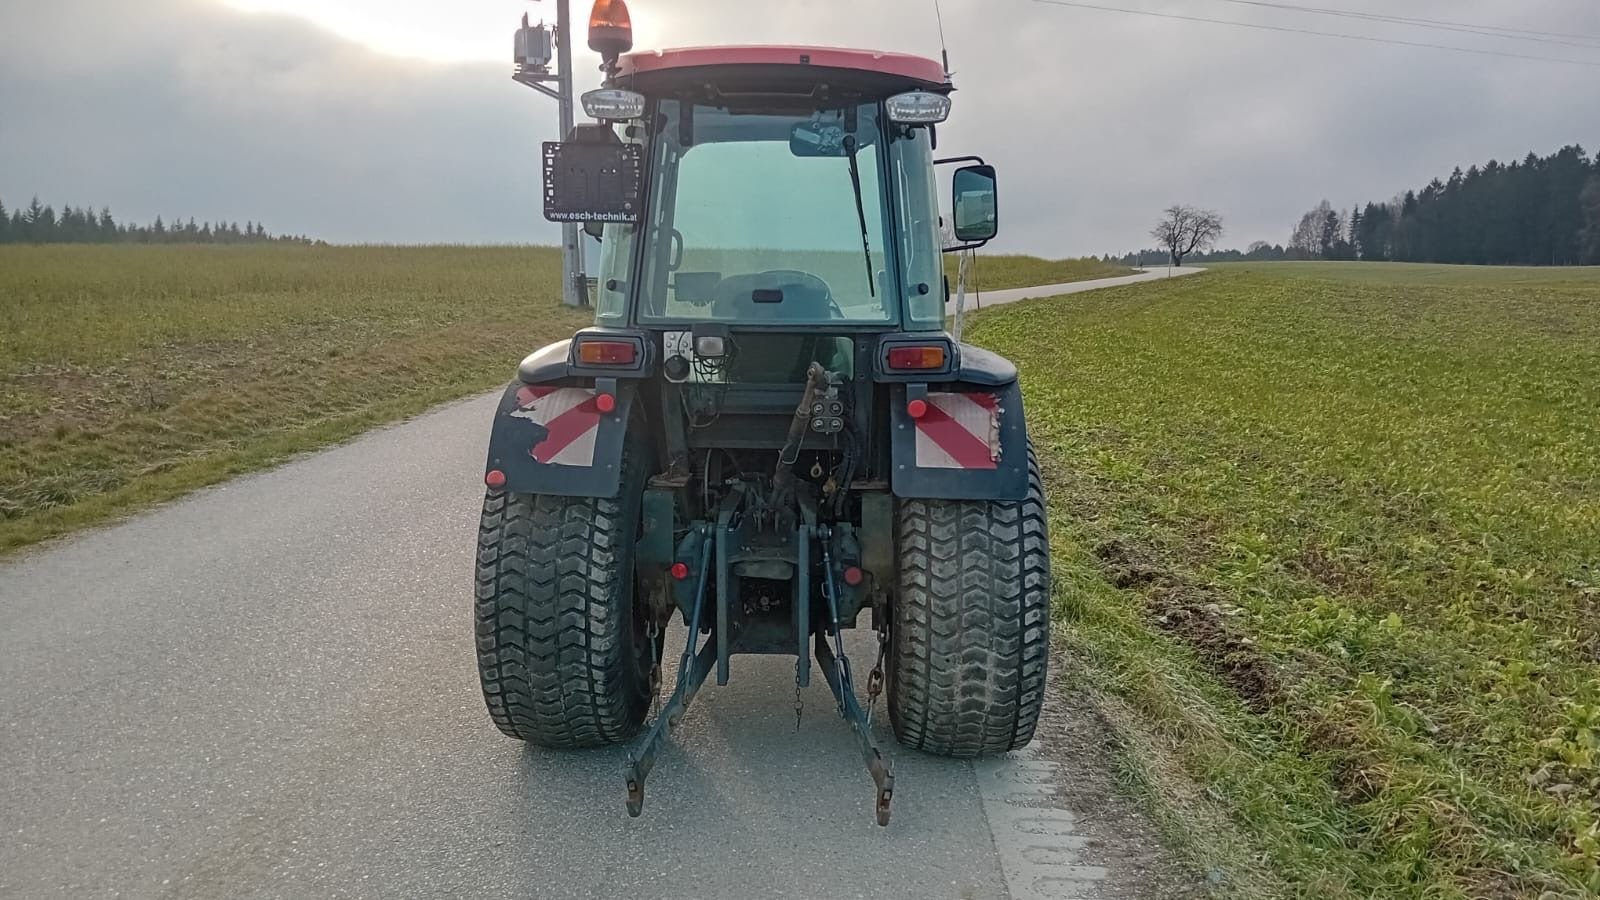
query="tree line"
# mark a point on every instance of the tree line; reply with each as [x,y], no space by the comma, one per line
[1540,211]
[1260,251]
[38,224]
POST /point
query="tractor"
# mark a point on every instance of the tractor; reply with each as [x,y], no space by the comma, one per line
[768,434]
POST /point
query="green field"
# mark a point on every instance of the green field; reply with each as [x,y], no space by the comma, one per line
[999,272]
[1328,552]
[133,374]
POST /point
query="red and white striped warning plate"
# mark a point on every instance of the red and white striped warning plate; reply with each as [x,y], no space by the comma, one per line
[572,418]
[959,431]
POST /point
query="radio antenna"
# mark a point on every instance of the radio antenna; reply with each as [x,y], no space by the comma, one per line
[944,49]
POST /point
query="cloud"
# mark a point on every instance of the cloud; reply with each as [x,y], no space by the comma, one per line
[195,110]
[1096,120]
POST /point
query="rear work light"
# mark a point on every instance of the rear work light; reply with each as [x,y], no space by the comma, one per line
[917,357]
[613,104]
[710,346]
[918,108]
[608,353]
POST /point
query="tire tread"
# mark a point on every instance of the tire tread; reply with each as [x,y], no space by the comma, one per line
[553,617]
[971,629]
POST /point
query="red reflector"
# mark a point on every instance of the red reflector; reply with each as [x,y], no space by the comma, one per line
[680,570]
[605,403]
[854,576]
[916,357]
[495,479]
[607,353]
[916,409]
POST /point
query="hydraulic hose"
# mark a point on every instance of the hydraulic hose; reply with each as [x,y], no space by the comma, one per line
[816,385]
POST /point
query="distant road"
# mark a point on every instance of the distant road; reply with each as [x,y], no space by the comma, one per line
[996,298]
[268,689]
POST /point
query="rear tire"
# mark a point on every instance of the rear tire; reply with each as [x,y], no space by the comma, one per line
[970,634]
[562,654]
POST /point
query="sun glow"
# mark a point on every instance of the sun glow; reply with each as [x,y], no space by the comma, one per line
[445,31]
[433,30]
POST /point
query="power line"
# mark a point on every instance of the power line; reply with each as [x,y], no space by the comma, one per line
[1331,34]
[1586,42]
[1412,20]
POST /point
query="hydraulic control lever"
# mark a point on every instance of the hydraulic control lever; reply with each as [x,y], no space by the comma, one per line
[817,381]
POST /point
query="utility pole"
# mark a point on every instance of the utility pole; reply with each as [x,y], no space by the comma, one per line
[532,57]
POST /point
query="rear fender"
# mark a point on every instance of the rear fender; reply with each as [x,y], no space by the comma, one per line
[553,438]
[970,444]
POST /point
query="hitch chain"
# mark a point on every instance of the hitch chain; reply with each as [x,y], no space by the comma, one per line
[875,677]
[652,634]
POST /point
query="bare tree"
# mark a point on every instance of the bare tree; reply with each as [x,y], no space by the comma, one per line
[1311,237]
[1185,229]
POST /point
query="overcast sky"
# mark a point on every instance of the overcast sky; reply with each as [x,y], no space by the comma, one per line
[397,121]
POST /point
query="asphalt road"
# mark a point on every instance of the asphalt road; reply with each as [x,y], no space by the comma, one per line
[1012,295]
[268,689]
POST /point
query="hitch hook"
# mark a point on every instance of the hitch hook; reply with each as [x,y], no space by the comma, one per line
[692,672]
[836,669]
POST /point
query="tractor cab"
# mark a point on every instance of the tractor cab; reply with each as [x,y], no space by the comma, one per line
[785,188]
[763,209]
[767,434]
[767,187]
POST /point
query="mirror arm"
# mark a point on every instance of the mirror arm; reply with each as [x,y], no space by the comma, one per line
[974,245]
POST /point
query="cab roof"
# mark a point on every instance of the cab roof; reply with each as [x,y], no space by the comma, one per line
[774,67]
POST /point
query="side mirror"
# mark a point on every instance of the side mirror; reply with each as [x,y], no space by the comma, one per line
[976,210]
[596,230]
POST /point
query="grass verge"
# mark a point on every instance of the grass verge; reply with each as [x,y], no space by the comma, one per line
[130,375]
[1327,541]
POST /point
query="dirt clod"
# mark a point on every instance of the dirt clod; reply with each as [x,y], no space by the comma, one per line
[1192,614]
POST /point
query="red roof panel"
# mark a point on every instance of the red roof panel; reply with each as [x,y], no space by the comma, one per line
[898,64]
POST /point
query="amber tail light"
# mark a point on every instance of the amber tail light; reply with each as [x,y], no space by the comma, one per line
[608,353]
[916,357]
